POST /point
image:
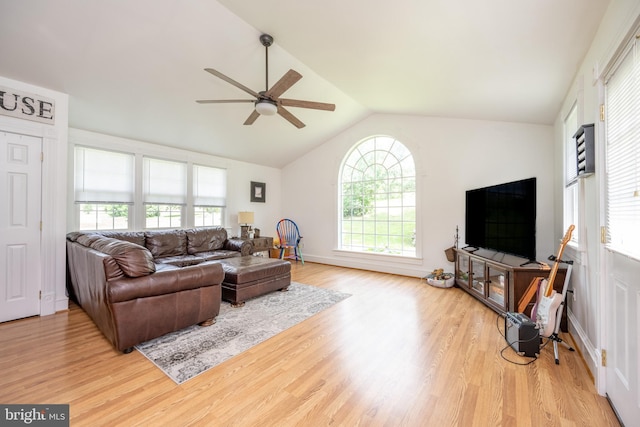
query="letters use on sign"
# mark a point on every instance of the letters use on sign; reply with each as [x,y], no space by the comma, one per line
[27,106]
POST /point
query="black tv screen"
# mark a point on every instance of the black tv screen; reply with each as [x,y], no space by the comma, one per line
[503,218]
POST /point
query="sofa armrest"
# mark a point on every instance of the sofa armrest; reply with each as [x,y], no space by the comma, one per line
[165,282]
[242,246]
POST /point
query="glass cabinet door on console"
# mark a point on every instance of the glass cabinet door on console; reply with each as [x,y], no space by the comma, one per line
[478,276]
[498,285]
[462,270]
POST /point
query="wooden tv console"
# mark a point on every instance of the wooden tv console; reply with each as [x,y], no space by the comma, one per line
[499,280]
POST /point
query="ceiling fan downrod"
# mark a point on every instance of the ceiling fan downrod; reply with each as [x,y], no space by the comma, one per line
[266,41]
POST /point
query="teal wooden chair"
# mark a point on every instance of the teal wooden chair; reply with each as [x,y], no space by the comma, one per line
[290,237]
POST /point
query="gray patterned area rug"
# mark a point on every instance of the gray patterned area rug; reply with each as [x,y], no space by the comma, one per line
[191,351]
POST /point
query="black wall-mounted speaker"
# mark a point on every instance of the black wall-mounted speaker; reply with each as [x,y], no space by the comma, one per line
[521,334]
[585,153]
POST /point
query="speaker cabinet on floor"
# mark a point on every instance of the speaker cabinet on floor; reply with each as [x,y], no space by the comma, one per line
[521,334]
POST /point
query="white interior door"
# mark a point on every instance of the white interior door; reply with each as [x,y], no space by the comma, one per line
[623,336]
[20,201]
[622,206]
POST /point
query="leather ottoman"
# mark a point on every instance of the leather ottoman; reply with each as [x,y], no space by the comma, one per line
[250,276]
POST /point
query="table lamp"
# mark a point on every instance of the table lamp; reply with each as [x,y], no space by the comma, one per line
[245,219]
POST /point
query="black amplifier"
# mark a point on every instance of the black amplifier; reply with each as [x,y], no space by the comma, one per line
[521,334]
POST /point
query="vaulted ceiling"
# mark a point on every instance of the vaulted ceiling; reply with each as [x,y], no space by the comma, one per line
[135,68]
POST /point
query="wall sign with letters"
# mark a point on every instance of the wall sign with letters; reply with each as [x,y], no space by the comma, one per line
[23,105]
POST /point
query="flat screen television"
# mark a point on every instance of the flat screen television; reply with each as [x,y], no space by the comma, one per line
[503,218]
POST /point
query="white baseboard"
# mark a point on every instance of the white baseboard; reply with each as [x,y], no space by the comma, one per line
[402,270]
[62,304]
[47,303]
[589,352]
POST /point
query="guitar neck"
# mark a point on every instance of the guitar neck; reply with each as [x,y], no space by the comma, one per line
[552,275]
[554,270]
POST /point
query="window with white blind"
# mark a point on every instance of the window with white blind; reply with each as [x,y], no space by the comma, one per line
[571,191]
[209,195]
[103,188]
[623,153]
[164,186]
[106,186]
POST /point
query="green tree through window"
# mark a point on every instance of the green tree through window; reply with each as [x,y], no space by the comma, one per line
[378,198]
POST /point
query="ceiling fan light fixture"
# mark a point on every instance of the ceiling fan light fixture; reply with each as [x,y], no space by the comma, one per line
[266,107]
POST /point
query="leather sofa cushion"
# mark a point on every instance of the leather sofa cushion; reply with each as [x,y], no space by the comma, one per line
[205,239]
[165,282]
[134,260]
[180,260]
[72,236]
[166,243]
[221,254]
[112,269]
[87,239]
[136,237]
[165,267]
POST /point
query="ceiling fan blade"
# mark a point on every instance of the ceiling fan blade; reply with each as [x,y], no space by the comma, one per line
[252,117]
[222,101]
[231,81]
[307,104]
[289,79]
[290,117]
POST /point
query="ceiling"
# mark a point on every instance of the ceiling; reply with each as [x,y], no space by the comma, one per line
[135,68]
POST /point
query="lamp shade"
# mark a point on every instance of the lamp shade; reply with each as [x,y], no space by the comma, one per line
[245,217]
[266,107]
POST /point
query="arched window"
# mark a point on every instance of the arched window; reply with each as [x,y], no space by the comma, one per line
[378,198]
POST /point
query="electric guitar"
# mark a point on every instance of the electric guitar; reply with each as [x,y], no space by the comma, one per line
[546,307]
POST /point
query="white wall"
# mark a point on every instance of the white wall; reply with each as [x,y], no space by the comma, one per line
[452,156]
[585,310]
[239,177]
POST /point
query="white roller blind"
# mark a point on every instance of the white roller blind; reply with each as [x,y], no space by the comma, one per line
[209,186]
[623,153]
[103,176]
[164,181]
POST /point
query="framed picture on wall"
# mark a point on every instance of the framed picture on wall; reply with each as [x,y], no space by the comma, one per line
[258,192]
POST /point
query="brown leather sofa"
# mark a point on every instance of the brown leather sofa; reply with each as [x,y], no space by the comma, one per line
[139,285]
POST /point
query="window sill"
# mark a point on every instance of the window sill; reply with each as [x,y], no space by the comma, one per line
[632,257]
[402,259]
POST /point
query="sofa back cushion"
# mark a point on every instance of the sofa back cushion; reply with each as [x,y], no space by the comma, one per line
[136,237]
[205,239]
[134,260]
[164,243]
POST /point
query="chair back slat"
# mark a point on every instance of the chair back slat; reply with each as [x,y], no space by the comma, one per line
[288,232]
[289,236]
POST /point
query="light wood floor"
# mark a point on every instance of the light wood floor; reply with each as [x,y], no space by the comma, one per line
[397,352]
